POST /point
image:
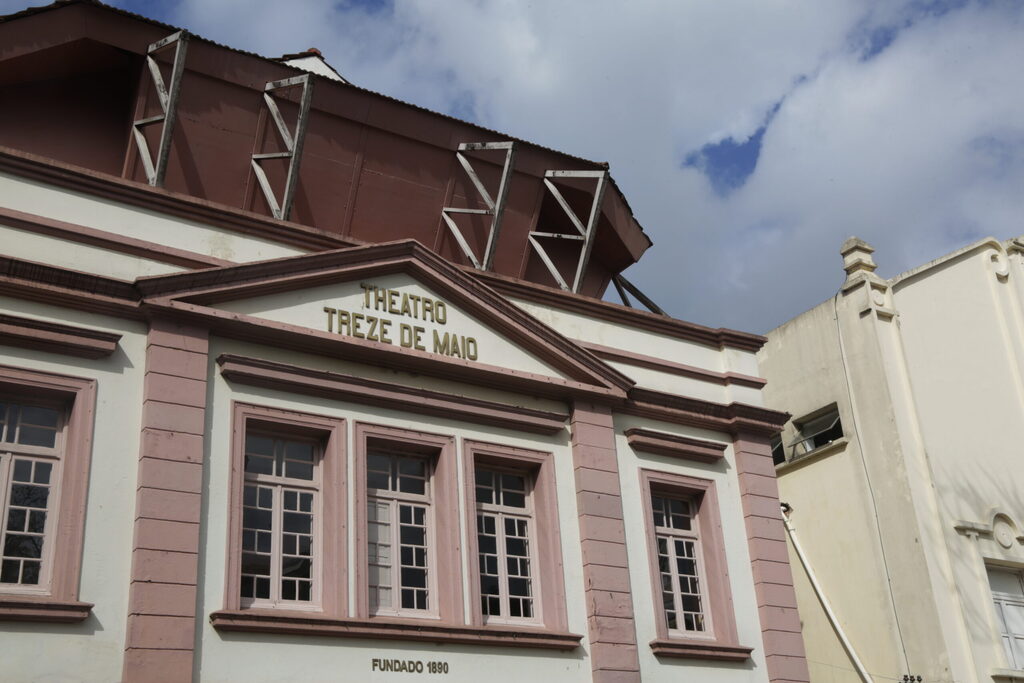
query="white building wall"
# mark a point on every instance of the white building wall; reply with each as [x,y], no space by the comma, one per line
[92,650]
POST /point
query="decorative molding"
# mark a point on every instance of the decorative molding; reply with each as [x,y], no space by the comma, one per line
[73,289]
[699,649]
[25,608]
[157,199]
[110,241]
[675,446]
[1003,529]
[734,417]
[256,621]
[1008,675]
[293,378]
[616,313]
[44,335]
[679,369]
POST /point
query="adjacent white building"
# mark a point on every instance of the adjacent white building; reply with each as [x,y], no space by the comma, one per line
[903,467]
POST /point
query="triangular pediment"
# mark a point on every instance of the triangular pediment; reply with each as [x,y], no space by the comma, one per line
[396,303]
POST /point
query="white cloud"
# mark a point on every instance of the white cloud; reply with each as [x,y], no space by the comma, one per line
[919,149]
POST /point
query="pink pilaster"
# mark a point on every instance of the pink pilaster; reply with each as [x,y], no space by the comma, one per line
[612,630]
[769,561]
[162,597]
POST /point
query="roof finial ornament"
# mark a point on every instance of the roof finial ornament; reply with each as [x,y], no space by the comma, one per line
[857,257]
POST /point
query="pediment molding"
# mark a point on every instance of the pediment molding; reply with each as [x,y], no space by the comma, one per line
[196,295]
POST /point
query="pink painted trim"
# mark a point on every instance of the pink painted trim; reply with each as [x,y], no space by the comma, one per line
[445,501]
[44,335]
[392,629]
[168,508]
[675,446]
[70,288]
[330,432]
[79,395]
[540,466]
[700,650]
[719,592]
[296,379]
[679,369]
[632,317]
[110,241]
[203,288]
[769,559]
[246,327]
[607,589]
[731,418]
[164,201]
[25,608]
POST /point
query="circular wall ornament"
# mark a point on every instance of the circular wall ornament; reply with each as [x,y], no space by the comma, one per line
[1003,532]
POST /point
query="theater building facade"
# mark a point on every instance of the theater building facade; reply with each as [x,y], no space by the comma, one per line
[298,381]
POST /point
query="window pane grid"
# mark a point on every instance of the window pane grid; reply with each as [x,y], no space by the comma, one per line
[503,543]
[398,530]
[678,562]
[29,425]
[279,525]
[25,517]
[1008,595]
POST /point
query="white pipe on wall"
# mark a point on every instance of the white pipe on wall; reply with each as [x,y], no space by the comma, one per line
[861,671]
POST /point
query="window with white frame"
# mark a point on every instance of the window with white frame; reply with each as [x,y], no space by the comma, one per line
[280,520]
[1008,594]
[31,446]
[504,525]
[399,528]
[679,563]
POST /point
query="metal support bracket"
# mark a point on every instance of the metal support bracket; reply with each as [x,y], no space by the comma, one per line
[586,232]
[168,96]
[292,141]
[622,285]
[495,205]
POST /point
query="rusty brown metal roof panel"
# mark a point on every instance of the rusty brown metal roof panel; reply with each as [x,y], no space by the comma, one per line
[59,4]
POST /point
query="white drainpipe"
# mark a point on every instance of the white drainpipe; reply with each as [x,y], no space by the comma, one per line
[861,671]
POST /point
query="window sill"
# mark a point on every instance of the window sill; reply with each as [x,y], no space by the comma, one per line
[33,608]
[303,624]
[700,649]
[819,452]
[1008,675]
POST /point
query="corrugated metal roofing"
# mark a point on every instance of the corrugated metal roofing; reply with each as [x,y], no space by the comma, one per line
[57,4]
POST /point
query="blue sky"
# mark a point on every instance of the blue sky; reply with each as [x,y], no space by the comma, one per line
[751,137]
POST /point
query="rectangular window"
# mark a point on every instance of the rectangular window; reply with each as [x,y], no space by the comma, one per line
[679,563]
[289,485]
[280,518]
[1008,594]
[45,447]
[504,525]
[515,549]
[816,430]
[691,595]
[407,522]
[31,445]
[398,518]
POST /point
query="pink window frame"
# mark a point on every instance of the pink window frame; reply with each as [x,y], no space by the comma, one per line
[330,434]
[716,592]
[445,550]
[539,466]
[58,601]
